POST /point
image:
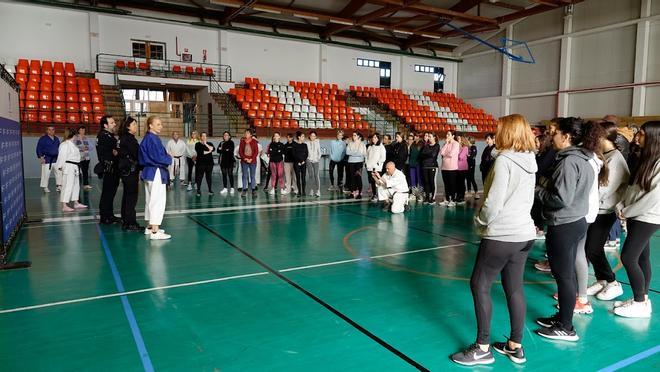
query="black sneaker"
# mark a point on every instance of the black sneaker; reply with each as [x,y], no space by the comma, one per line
[549,322]
[473,355]
[516,356]
[558,332]
[243,194]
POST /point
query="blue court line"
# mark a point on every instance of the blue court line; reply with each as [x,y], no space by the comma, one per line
[135,330]
[633,359]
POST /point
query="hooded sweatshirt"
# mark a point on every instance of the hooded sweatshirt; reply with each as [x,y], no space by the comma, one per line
[337,150]
[596,164]
[565,198]
[450,156]
[640,205]
[617,182]
[376,155]
[509,189]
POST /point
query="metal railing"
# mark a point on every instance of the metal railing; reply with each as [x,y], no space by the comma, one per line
[162,68]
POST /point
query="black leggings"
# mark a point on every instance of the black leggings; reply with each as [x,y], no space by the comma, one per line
[84,172]
[461,176]
[355,176]
[372,183]
[561,242]
[428,174]
[301,171]
[191,165]
[228,173]
[449,179]
[340,172]
[129,198]
[594,246]
[508,259]
[636,256]
[471,183]
[201,171]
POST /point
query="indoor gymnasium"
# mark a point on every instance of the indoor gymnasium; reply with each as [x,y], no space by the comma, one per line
[337,185]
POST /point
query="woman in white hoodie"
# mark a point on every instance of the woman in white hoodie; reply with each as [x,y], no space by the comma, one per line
[375,160]
[507,229]
[641,208]
[314,157]
[68,163]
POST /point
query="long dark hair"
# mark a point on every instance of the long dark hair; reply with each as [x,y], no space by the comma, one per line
[123,127]
[650,155]
[611,132]
[587,136]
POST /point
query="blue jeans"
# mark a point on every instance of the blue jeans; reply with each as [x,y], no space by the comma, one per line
[615,231]
[250,169]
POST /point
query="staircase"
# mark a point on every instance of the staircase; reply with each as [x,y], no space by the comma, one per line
[114,102]
[379,118]
[230,118]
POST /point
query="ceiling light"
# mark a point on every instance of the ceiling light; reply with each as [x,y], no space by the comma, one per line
[305,16]
[266,10]
[341,22]
[373,27]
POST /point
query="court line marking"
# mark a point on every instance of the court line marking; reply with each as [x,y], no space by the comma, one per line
[215,280]
[631,360]
[216,209]
[128,310]
[317,299]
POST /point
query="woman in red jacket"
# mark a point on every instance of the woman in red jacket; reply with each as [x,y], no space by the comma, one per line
[248,151]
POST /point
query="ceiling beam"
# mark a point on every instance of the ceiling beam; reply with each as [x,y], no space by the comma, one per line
[352,7]
[465,5]
[426,9]
[502,4]
[525,13]
[335,28]
[234,12]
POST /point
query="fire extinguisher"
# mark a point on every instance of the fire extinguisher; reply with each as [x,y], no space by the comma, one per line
[204,55]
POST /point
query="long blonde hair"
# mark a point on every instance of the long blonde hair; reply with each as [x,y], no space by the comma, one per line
[514,133]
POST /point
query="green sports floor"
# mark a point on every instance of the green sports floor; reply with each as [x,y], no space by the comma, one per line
[278,284]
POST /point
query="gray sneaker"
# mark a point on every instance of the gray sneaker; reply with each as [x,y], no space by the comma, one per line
[473,355]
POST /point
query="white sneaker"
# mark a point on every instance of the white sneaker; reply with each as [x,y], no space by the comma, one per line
[159,236]
[232,191]
[444,203]
[633,310]
[224,191]
[46,189]
[598,286]
[610,292]
[476,196]
[374,200]
[283,192]
[623,303]
[318,194]
[272,192]
[451,204]
[59,188]
[189,188]
[648,303]
[611,245]
[147,231]
[331,188]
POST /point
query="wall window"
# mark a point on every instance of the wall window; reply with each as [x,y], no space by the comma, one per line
[438,76]
[368,63]
[148,49]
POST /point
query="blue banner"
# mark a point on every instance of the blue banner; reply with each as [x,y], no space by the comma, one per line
[11,179]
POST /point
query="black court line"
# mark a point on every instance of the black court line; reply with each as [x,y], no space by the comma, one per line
[409,227]
[445,236]
[295,285]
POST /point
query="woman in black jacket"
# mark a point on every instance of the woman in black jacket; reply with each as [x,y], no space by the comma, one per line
[227,161]
[275,153]
[472,164]
[400,149]
[300,154]
[487,158]
[428,161]
[129,172]
[204,164]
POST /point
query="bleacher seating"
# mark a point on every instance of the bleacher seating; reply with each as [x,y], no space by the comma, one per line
[430,111]
[52,93]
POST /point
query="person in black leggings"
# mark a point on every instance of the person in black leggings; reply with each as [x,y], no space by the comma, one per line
[472,165]
[227,162]
[300,154]
[204,164]
[642,211]
[508,234]
[428,160]
[565,201]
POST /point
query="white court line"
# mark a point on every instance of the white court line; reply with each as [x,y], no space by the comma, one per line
[217,209]
[227,278]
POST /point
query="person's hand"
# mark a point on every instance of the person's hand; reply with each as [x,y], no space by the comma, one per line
[114,152]
[194,158]
[42,160]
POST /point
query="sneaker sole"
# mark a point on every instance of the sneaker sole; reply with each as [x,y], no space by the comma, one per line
[510,356]
[560,338]
[608,298]
[475,363]
[544,325]
[642,316]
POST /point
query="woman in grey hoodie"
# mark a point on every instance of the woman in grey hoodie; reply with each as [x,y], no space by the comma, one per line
[507,229]
[641,208]
[565,203]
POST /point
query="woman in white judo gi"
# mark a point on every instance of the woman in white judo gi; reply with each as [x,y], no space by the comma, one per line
[68,163]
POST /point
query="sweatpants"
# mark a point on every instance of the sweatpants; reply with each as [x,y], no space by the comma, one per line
[154,200]
[190,164]
[314,177]
[290,178]
[202,171]
[594,247]
[415,176]
[562,243]
[461,176]
[471,183]
[340,172]
[582,267]
[84,172]
[177,169]
[45,175]
[615,232]
[277,174]
[355,176]
[70,183]
[249,176]
[449,179]
[301,170]
[228,177]
[429,183]
[636,256]
[508,259]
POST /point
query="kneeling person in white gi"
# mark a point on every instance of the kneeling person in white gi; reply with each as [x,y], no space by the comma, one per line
[68,162]
[392,188]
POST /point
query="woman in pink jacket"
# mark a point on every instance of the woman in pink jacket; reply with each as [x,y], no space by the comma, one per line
[449,168]
[462,168]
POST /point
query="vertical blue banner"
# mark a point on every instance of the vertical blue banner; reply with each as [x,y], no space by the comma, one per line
[11,179]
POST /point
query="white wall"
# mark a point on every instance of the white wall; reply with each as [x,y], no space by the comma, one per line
[601,45]
[77,36]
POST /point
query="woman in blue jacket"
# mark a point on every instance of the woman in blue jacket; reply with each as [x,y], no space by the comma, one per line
[154,161]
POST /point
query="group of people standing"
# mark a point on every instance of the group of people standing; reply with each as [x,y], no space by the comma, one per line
[586,187]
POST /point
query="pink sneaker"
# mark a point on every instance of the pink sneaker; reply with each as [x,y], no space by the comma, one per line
[66,208]
[79,206]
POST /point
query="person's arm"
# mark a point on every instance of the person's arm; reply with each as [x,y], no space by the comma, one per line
[199,149]
[446,150]
[209,148]
[494,203]
[562,191]
[63,155]
[40,149]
